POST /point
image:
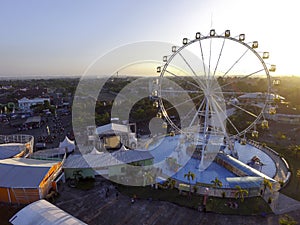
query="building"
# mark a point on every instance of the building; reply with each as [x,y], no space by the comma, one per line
[44,213]
[25,103]
[259,97]
[23,180]
[113,135]
[104,163]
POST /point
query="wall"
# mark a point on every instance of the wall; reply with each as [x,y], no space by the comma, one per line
[86,172]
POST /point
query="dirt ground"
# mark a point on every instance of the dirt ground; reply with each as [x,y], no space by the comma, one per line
[96,207]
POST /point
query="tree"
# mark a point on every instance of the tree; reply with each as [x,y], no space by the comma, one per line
[170,183]
[217,183]
[190,175]
[148,178]
[294,148]
[267,184]
[298,176]
[287,220]
[240,193]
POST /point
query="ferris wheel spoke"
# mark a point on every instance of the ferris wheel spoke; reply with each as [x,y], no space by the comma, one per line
[186,116]
[241,78]
[236,62]
[184,102]
[197,113]
[193,71]
[233,126]
[202,56]
[173,74]
[229,93]
[244,110]
[218,108]
[227,118]
[179,91]
[221,51]
[209,61]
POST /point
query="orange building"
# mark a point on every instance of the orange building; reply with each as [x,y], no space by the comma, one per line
[23,180]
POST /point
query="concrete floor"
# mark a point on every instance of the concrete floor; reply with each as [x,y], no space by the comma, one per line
[93,207]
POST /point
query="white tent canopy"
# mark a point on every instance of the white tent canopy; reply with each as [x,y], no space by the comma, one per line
[43,213]
[95,152]
[67,143]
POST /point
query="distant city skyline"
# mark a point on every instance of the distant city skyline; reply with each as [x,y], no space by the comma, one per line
[63,37]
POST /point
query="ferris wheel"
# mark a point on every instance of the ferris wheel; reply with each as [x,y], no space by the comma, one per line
[214,84]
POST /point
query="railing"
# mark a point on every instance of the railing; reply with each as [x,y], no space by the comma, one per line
[281,163]
[28,140]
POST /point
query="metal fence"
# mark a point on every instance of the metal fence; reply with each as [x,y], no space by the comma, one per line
[25,139]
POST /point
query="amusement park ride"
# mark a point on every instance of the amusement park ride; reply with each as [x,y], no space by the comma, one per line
[200,86]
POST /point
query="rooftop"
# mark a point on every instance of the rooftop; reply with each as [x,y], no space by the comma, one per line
[10,150]
[106,159]
[26,173]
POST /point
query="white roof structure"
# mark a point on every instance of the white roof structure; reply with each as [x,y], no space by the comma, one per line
[23,172]
[94,152]
[43,213]
[10,149]
[49,153]
[111,128]
[258,95]
[67,143]
[97,161]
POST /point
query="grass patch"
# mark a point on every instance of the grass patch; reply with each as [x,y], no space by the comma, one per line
[170,195]
[251,206]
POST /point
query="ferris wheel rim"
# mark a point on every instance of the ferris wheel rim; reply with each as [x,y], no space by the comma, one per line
[190,42]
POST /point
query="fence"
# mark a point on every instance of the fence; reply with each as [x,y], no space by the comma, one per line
[282,167]
[28,140]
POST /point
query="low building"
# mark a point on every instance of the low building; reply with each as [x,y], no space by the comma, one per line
[23,180]
[259,97]
[284,118]
[25,103]
[108,164]
[33,122]
[43,212]
[113,135]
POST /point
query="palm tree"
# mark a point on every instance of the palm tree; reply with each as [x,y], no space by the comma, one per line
[294,148]
[298,176]
[287,220]
[240,193]
[267,184]
[190,175]
[148,178]
[217,183]
[170,183]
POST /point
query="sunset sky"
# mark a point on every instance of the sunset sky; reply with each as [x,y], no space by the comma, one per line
[62,37]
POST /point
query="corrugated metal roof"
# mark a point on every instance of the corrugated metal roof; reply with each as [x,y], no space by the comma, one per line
[27,162]
[23,173]
[106,159]
[43,213]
